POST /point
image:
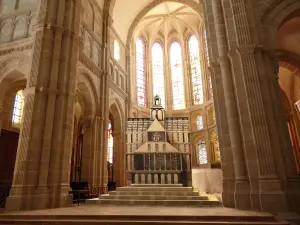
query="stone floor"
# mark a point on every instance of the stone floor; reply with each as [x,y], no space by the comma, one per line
[141,210]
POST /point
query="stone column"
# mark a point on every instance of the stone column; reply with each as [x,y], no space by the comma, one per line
[241,194]
[41,177]
[87,154]
[98,159]
[281,148]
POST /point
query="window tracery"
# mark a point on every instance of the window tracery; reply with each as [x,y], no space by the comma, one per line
[195,67]
[158,72]
[140,72]
[177,76]
[18,108]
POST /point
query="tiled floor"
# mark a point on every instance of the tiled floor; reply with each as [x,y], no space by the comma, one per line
[142,210]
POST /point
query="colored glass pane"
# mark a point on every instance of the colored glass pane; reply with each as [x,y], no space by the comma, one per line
[202,154]
[116,50]
[140,72]
[199,122]
[18,108]
[158,72]
[110,144]
[177,76]
[195,70]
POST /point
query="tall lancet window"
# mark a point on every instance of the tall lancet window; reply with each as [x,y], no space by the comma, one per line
[158,72]
[195,70]
[177,76]
[202,154]
[110,144]
[18,108]
[140,72]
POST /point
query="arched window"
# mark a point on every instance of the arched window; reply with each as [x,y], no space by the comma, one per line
[177,76]
[116,50]
[202,154]
[140,72]
[195,70]
[18,108]
[158,72]
[110,144]
[199,122]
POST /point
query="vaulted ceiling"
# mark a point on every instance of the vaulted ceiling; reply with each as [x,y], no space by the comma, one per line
[125,11]
[167,18]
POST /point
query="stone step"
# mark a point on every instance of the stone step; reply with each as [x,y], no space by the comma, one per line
[168,189]
[152,197]
[156,185]
[198,203]
[159,193]
[74,219]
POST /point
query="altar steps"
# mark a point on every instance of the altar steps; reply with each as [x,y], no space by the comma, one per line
[49,219]
[153,195]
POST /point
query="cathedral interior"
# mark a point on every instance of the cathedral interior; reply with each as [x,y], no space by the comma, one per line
[96,95]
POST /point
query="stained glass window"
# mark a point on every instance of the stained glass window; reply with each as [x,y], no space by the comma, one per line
[202,154]
[140,72]
[177,76]
[110,144]
[195,70]
[116,50]
[158,72]
[199,122]
[206,47]
[18,108]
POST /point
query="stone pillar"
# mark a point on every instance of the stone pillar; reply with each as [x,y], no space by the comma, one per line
[104,109]
[41,176]
[96,183]
[281,143]
[87,154]
[241,194]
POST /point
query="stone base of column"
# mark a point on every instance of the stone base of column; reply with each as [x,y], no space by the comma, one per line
[37,201]
[242,194]
[228,194]
[104,190]
[255,200]
[14,203]
[292,194]
[272,197]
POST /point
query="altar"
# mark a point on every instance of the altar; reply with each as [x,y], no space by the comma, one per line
[158,149]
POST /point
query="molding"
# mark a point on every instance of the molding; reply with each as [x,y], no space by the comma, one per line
[117,89]
[17,48]
[90,65]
